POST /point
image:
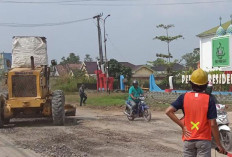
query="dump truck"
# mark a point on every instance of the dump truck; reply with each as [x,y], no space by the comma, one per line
[29,93]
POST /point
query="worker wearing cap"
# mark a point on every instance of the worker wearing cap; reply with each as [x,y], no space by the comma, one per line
[199,118]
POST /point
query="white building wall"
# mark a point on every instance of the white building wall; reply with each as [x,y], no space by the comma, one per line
[206,53]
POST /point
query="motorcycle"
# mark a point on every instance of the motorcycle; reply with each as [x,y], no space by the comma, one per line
[223,126]
[142,110]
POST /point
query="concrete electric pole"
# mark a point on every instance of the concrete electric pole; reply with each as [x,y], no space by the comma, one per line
[98,17]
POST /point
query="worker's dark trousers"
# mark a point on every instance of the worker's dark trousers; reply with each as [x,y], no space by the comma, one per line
[83,98]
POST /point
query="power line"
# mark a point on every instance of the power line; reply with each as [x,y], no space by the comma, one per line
[41,25]
[116,48]
[36,2]
[62,1]
[151,4]
[77,2]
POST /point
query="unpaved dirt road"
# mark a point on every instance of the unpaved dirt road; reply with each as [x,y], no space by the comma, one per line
[93,132]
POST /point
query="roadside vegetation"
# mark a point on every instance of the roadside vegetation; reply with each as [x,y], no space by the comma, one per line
[103,99]
[70,84]
[98,99]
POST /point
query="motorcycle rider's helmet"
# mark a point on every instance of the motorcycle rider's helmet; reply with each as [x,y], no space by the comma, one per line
[135,82]
[209,88]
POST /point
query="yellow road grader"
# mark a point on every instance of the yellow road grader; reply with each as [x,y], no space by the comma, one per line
[29,95]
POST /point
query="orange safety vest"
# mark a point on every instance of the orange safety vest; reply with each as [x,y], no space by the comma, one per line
[196,121]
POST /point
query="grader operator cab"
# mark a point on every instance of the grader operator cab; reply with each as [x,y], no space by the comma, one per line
[29,94]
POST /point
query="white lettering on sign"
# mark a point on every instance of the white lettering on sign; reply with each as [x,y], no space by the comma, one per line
[183,78]
[220,79]
[217,79]
[214,78]
[187,79]
[210,78]
[223,78]
[228,78]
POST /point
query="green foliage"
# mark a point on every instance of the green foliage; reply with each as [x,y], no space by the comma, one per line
[116,69]
[163,55]
[69,84]
[165,26]
[78,73]
[189,71]
[191,59]
[71,59]
[215,72]
[166,39]
[126,72]
[100,99]
[157,62]
[88,58]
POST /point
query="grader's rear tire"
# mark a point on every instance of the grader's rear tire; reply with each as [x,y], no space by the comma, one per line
[58,114]
[3,97]
[1,117]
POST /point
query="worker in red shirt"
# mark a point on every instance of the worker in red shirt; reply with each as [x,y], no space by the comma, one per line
[199,118]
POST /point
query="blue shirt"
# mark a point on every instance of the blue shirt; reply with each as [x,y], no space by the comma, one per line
[212,111]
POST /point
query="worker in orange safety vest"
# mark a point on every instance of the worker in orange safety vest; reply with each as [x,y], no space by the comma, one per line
[199,118]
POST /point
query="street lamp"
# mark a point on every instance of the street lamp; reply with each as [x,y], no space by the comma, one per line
[105,36]
[106,62]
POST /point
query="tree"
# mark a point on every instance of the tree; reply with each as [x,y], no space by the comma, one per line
[191,59]
[126,72]
[166,39]
[88,58]
[71,59]
[157,62]
[116,69]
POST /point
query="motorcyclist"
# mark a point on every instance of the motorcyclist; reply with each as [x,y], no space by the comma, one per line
[209,91]
[134,92]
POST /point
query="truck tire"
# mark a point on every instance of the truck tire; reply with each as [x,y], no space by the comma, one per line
[1,117]
[58,114]
[3,97]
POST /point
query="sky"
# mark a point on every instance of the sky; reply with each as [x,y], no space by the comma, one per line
[130,28]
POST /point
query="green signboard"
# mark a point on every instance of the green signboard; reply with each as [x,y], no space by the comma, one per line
[221,51]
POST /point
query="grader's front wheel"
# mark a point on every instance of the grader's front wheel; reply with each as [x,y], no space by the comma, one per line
[58,114]
[1,117]
[3,97]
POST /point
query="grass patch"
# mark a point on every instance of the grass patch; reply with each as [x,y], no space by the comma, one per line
[98,99]
[105,99]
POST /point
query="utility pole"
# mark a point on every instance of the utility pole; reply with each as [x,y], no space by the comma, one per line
[106,62]
[98,17]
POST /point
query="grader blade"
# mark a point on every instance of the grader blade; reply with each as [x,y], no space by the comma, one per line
[70,110]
